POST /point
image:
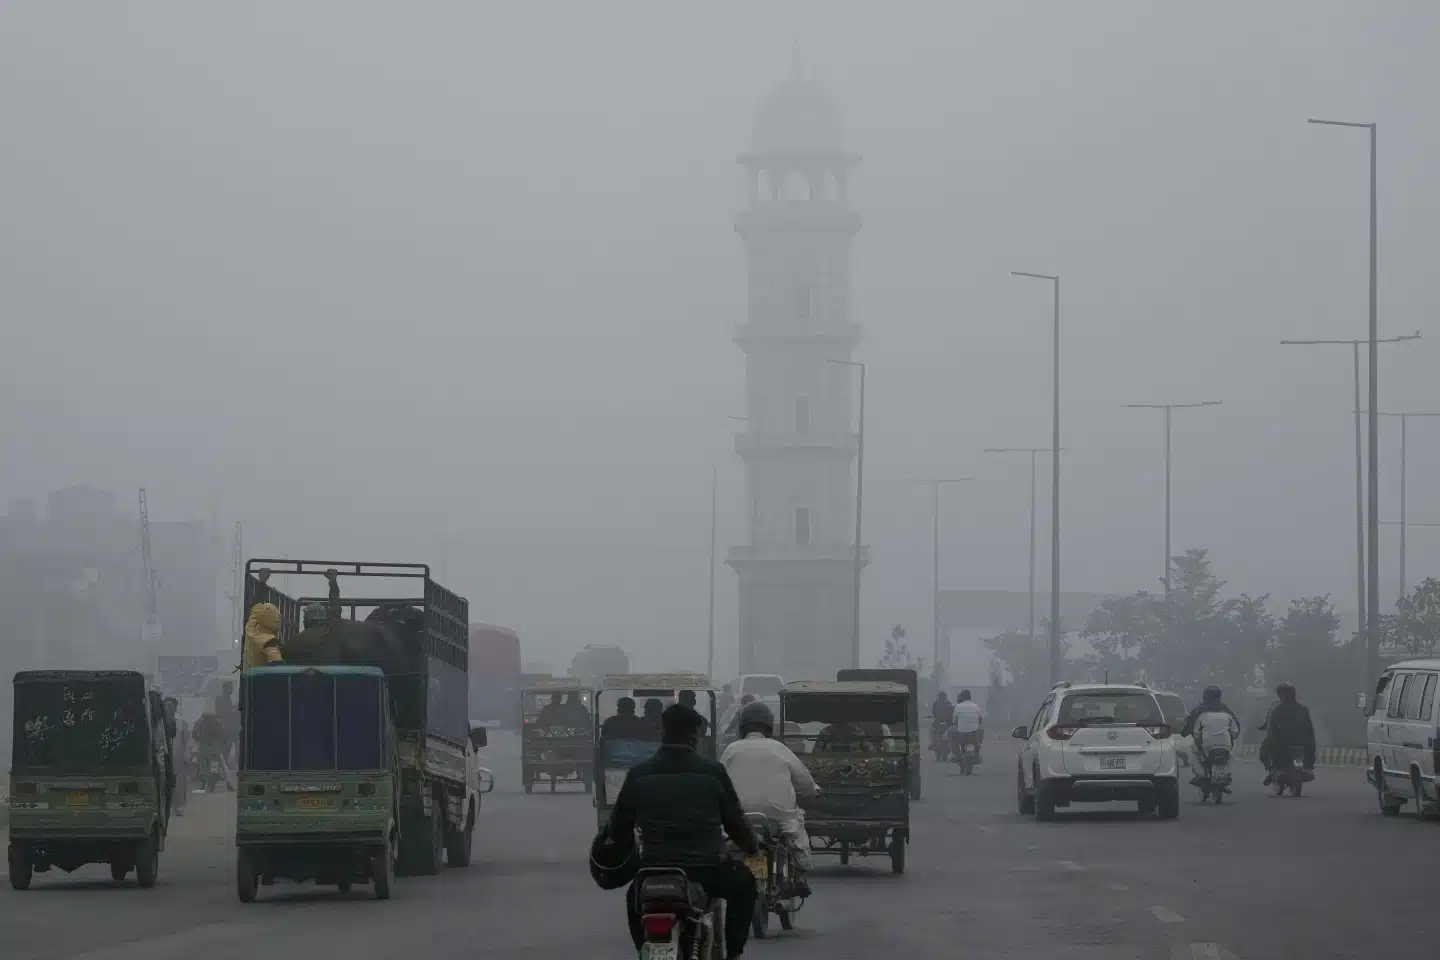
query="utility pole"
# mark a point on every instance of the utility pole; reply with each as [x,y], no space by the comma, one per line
[1033,451]
[859,511]
[1361,604]
[1372,589]
[237,585]
[710,657]
[150,627]
[1054,488]
[935,485]
[1168,407]
[1404,433]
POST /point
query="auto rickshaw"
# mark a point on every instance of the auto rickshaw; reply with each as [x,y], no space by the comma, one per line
[556,734]
[319,779]
[90,775]
[856,740]
[629,736]
[911,679]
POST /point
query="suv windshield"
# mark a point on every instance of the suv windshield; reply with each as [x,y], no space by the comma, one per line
[763,686]
[1110,706]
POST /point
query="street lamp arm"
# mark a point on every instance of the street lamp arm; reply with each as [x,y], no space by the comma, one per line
[1342,123]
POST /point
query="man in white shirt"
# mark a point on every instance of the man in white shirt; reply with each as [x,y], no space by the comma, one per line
[969,724]
[768,778]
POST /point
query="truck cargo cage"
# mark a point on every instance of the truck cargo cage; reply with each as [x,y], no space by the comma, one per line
[445,636]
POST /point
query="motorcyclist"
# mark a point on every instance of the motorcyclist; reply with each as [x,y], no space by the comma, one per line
[210,742]
[942,712]
[769,779]
[681,804]
[180,757]
[1288,726]
[967,724]
[1211,724]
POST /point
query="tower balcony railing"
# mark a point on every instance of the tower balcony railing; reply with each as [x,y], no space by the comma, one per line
[755,443]
[781,552]
[797,331]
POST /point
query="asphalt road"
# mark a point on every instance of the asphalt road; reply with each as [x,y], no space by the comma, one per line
[1324,875]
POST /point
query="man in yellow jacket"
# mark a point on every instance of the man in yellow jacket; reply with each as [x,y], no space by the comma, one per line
[262,641]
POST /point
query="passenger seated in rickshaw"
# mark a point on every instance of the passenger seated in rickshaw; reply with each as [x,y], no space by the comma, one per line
[840,737]
[687,698]
[877,737]
[625,725]
[653,709]
[571,713]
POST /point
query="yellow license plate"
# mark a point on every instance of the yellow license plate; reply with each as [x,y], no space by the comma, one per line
[315,803]
[759,866]
[78,800]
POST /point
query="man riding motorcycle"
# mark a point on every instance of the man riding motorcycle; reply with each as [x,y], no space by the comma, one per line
[942,712]
[1287,727]
[967,724]
[683,807]
[769,778]
[1210,725]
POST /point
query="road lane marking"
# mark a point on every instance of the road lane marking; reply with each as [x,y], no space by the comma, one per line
[1117,887]
[1200,951]
[1166,915]
[1070,866]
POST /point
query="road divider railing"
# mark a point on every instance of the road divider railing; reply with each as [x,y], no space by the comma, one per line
[1324,756]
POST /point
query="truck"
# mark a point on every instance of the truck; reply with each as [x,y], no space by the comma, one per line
[495,674]
[419,640]
[593,664]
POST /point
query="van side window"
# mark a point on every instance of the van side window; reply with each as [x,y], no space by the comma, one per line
[1427,702]
[1382,694]
[1400,686]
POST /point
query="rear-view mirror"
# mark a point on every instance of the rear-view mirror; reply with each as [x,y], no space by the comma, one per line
[478,737]
[1020,733]
[487,779]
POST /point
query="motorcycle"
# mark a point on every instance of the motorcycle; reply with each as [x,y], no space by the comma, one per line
[965,750]
[774,871]
[940,740]
[1215,775]
[1290,773]
[678,917]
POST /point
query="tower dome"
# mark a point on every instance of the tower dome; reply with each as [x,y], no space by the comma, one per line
[798,117]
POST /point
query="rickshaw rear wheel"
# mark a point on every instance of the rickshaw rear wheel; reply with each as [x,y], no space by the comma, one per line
[21,870]
[897,852]
[147,860]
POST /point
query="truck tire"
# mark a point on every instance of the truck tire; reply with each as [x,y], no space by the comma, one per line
[247,875]
[382,868]
[457,842]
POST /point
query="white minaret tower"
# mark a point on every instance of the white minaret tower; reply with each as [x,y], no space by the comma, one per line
[796,575]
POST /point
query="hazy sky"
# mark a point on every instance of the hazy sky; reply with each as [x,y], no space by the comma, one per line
[456,281]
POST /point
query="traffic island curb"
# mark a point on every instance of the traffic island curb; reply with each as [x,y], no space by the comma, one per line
[1324,756]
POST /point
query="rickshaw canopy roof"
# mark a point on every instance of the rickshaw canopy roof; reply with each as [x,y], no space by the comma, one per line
[656,681]
[569,684]
[867,688]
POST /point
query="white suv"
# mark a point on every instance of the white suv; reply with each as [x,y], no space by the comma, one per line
[1097,742]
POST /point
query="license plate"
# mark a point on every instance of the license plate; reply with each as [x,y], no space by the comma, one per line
[314,803]
[661,951]
[1219,770]
[78,800]
[759,866]
[1113,763]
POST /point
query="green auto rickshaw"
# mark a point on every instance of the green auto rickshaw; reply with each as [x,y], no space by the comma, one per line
[855,739]
[90,777]
[319,784]
[556,734]
[628,733]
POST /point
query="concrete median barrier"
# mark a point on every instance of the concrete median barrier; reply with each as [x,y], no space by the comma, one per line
[1324,756]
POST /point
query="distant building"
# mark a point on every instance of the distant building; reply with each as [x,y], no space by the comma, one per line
[799,444]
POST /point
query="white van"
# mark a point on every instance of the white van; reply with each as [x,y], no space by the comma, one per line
[1402,733]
